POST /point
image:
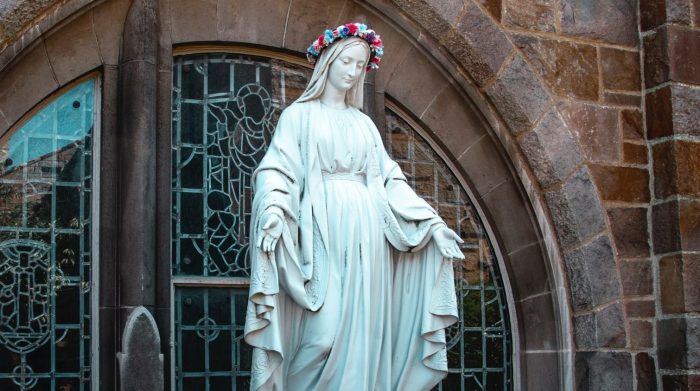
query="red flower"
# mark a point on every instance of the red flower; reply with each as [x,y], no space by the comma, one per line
[352,28]
[377,42]
[320,40]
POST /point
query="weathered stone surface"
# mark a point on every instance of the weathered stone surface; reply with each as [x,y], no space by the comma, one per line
[15,14]
[613,21]
[484,153]
[676,168]
[665,227]
[425,13]
[626,184]
[687,156]
[678,343]
[479,44]
[696,22]
[416,82]
[519,96]
[192,24]
[513,236]
[635,153]
[592,274]
[671,284]
[670,55]
[569,69]
[576,210]
[596,129]
[672,110]
[539,321]
[629,230]
[622,99]
[654,13]
[551,150]
[457,126]
[620,69]
[678,276]
[529,272]
[24,86]
[536,15]
[632,127]
[641,334]
[75,40]
[645,370]
[689,224]
[636,277]
[600,329]
[238,21]
[640,308]
[140,361]
[680,382]
[603,371]
[493,6]
[108,19]
[541,362]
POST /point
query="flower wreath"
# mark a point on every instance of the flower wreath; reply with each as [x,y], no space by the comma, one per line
[346,31]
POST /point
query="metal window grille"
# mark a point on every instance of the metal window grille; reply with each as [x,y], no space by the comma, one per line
[224,110]
[46,255]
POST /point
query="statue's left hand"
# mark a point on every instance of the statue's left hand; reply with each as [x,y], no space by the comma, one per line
[447,241]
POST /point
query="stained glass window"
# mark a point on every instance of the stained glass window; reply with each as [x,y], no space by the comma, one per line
[225,107]
[479,345]
[45,246]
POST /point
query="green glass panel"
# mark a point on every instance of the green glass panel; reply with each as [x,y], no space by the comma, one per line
[480,342]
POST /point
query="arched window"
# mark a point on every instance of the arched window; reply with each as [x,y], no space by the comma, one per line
[47,316]
[225,107]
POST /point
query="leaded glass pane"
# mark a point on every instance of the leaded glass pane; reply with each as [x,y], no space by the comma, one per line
[479,345]
[225,108]
[45,248]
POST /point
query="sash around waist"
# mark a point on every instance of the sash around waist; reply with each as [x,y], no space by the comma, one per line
[344,176]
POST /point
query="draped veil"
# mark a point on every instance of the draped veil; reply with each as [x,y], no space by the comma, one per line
[292,281]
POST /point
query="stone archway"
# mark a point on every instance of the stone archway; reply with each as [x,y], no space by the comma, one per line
[457,70]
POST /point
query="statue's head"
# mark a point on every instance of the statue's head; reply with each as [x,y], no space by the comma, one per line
[342,58]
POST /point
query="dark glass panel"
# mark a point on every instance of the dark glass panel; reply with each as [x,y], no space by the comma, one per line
[67,207]
[192,261]
[193,80]
[68,314]
[68,254]
[68,351]
[192,306]
[220,352]
[191,213]
[220,306]
[220,384]
[191,123]
[218,77]
[473,349]
[191,174]
[192,352]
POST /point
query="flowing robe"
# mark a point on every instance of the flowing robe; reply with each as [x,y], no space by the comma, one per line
[355,295]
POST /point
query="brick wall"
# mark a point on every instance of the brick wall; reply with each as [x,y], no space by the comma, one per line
[671,46]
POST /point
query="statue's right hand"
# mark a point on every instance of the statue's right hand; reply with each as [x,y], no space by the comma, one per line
[270,232]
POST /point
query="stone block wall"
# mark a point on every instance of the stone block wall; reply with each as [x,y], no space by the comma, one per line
[566,78]
[671,46]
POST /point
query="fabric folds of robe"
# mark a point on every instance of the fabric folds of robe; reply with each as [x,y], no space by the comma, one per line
[293,279]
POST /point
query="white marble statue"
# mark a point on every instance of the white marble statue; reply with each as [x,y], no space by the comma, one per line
[351,277]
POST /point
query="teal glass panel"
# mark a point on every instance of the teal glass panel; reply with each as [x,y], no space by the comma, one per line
[225,108]
[45,251]
[480,344]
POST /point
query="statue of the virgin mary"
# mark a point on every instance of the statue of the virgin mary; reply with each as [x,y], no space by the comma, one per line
[351,281]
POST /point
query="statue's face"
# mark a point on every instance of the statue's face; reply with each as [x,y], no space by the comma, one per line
[347,68]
